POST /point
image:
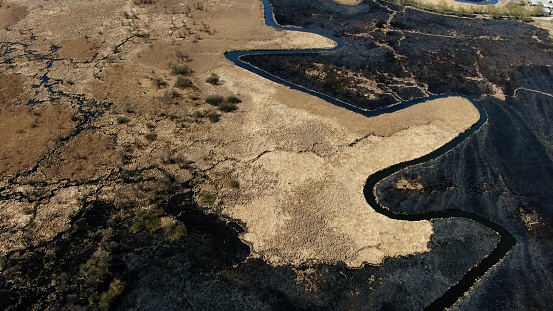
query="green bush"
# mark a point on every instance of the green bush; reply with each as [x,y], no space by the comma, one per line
[227,107]
[136,227]
[233,99]
[181,56]
[160,82]
[234,184]
[181,69]
[207,198]
[178,232]
[123,120]
[151,136]
[183,83]
[171,96]
[116,289]
[213,79]
[214,117]
[152,223]
[214,100]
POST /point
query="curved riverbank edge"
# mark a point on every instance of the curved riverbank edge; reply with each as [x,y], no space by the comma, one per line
[507,240]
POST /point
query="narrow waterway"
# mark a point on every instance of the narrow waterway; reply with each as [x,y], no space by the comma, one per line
[507,240]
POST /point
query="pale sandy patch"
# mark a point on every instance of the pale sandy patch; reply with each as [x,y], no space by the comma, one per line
[348,2]
[302,199]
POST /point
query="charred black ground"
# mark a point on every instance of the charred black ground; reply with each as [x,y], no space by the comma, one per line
[504,172]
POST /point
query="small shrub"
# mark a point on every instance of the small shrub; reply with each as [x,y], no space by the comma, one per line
[227,107]
[151,136]
[150,125]
[181,69]
[234,184]
[160,82]
[199,114]
[233,99]
[106,300]
[186,164]
[123,120]
[116,288]
[181,160]
[28,211]
[170,96]
[213,79]
[214,100]
[207,198]
[136,227]
[139,2]
[176,231]
[214,117]
[181,56]
[152,223]
[183,83]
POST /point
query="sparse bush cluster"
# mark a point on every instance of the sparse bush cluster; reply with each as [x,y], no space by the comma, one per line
[183,83]
[151,221]
[214,100]
[155,219]
[224,104]
[123,120]
[107,298]
[140,2]
[213,117]
[213,79]
[180,69]
[160,82]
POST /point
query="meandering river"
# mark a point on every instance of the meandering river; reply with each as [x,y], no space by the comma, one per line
[507,240]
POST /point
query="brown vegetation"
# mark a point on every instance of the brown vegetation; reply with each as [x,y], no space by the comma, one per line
[11,13]
[29,134]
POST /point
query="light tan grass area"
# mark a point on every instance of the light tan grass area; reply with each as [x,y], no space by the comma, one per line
[302,200]
[348,2]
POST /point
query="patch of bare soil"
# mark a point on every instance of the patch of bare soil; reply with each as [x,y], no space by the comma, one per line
[88,156]
[11,91]
[30,134]
[11,13]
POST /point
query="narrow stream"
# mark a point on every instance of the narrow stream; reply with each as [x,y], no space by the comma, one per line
[507,241]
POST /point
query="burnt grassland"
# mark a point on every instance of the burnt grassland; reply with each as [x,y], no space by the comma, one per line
[504,172]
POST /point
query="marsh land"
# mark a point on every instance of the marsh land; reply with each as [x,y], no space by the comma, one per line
[141,169]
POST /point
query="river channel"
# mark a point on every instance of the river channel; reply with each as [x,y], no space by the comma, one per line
[507,240]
